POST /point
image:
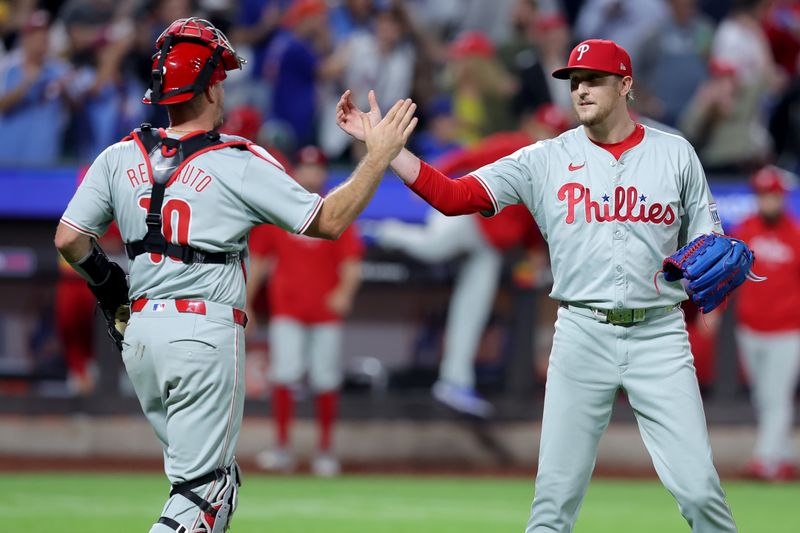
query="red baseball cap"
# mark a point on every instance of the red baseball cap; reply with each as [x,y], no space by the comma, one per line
[311,155]
[770,179]
[597,54]
[302,9]
[471,44]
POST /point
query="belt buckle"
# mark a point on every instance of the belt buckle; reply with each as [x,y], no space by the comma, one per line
[620,316]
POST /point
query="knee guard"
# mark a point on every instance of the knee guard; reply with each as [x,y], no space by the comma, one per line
[218,510]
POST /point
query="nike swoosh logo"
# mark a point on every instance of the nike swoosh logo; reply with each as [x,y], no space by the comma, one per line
[573,168]
[169,168]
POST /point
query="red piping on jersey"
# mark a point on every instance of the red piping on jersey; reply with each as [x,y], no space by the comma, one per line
[311,217]
[146,155]
[451,197]
[250,148]
[79,229]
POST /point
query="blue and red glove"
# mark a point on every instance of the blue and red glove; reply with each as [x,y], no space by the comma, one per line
[714,265]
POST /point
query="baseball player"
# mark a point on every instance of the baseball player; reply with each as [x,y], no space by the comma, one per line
[612,198]
[185,199]
[481,241]
[312,284]
[768,330]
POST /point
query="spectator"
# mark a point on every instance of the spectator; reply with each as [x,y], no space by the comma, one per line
[381,61]
[311,289]
[349,17]
[680,45]
[97,46]
[292,64]
[481,88]
[33,112]
[782,27]
[784,126]
[552,39]
[520,56]
[729,130]
[626,22]
[769,325]
[439,136]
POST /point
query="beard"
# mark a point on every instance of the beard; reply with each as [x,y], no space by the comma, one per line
[595,117]
[219,119]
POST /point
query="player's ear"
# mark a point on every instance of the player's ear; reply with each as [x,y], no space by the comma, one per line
[211,93]
[627,86]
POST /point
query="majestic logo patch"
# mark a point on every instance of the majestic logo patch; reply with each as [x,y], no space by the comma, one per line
[629,206]
[573,168]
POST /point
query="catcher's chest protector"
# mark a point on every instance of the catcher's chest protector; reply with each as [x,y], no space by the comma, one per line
[166,158]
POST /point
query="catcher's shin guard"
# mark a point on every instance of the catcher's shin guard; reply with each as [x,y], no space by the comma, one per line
[218,510]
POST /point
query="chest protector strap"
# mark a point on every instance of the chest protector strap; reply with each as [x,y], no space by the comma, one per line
[167,157]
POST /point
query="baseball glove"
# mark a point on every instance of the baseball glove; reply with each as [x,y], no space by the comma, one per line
[714,265]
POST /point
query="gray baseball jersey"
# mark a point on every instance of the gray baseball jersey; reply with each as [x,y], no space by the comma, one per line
[213,203]
[609,224]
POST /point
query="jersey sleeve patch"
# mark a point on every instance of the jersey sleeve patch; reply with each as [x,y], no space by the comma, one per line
[712,210]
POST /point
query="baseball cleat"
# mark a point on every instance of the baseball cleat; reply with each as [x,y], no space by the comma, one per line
[462,399]
[325,465]
[276,460]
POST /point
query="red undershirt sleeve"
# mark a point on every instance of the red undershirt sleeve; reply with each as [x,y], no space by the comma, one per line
[451,197]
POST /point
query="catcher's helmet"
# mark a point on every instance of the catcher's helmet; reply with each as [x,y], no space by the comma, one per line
[192,54]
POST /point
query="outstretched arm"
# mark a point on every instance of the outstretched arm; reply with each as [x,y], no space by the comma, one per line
[451,197]
[384,140]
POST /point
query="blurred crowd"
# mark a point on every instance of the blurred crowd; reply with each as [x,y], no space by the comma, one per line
[724,73]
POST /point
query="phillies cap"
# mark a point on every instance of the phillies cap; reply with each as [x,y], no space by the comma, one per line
[597,54]
[770,179]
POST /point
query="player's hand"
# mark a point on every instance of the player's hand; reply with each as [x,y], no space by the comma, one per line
[349,117]
[252,323]
[385,139]
[339,302]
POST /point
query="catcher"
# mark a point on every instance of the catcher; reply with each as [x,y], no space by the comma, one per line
[185,198]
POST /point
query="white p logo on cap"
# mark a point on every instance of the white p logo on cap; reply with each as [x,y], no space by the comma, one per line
[582,49]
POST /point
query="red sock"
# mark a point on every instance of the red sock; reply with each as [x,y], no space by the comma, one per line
[327,405]
[282,412]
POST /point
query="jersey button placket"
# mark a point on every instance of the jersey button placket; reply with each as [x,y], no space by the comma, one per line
[618,262]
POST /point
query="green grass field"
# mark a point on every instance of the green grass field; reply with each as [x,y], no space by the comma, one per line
[128,503]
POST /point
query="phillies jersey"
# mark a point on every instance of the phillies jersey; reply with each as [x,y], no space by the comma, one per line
[771,306]
[609,222]
[212,205]
[306,270]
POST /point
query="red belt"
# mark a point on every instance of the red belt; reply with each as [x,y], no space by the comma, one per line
[197,307]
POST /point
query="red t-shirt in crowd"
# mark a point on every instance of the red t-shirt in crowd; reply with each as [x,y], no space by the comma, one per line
[771,305]
[306,270]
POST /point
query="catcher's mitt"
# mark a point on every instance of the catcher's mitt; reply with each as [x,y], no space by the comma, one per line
[714,265]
